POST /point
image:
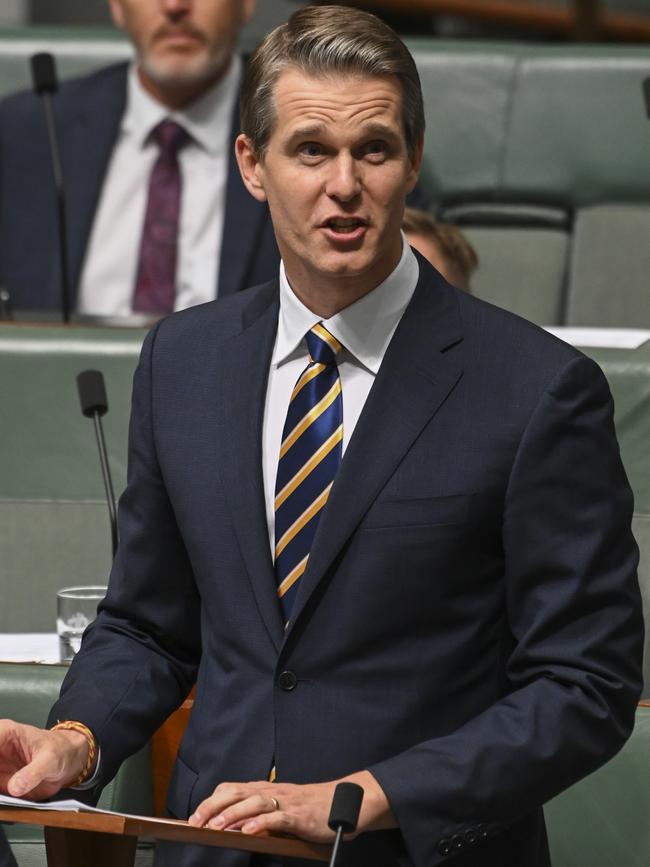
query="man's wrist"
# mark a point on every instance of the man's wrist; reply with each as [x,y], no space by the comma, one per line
[376,813]
[84,746]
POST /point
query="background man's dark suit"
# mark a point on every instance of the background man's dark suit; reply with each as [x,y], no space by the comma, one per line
[88,112]
[468,627]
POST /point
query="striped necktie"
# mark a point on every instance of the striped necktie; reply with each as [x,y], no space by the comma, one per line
[310,455]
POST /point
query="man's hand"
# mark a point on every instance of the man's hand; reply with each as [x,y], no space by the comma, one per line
[301,810]
[35,763]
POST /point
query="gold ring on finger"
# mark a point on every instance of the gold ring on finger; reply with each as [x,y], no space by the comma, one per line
[274,801]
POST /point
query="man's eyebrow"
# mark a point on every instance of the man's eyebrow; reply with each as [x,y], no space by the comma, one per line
[372,128]
[306,132]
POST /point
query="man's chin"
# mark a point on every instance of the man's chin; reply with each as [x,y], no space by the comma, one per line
[182,69]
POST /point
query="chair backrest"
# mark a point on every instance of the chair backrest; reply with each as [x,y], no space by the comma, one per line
[628,374]
[52,504]
[514,130]
[75,51]
[602,821]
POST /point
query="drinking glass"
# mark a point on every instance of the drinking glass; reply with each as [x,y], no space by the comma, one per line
[76,607]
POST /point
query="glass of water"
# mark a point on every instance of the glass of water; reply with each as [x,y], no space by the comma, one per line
[76,607]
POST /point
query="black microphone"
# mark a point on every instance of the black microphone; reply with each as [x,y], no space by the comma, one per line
[92,395]
[344,814]
[6,313]
[45,86]
[646,95]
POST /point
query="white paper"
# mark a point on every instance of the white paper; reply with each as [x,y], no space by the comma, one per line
[613,338]
[29,647]
[67,805]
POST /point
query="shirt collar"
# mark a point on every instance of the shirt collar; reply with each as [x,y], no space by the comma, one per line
[365,328]
[205,119]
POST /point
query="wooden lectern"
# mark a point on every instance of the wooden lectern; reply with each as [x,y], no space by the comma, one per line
[109,839]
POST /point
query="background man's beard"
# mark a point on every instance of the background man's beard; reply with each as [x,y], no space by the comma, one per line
[201,69]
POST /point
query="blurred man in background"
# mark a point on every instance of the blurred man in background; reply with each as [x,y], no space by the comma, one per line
[443,244]
[158,218]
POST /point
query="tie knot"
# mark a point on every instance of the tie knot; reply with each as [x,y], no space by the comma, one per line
[323,346]
[170,137]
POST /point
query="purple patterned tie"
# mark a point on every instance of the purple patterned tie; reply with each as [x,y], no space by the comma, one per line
[155,286]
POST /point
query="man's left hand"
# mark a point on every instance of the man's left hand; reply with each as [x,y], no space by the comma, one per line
[301,810]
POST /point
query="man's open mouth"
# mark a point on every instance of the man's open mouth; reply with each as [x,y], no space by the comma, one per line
[344,225]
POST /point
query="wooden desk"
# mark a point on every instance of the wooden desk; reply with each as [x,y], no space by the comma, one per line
[109,840]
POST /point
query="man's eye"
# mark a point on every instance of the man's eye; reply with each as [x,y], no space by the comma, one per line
[375,149]
[310,149]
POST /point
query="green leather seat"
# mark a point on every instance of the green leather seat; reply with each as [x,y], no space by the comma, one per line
[603,820]
[578,133]
[628,374]
[52,506]
[544,126]
[26,694]
[76,52]
[609,271]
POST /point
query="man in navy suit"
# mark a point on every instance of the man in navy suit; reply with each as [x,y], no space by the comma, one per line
[463,635]
[185,70]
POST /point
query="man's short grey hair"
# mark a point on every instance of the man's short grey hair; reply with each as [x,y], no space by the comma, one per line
[323,41]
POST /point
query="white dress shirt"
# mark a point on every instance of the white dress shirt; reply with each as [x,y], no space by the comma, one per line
[365,329]
[110,268]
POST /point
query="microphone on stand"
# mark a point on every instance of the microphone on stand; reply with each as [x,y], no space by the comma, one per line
[45,85]
[6,313]
[344,814]
[92,395]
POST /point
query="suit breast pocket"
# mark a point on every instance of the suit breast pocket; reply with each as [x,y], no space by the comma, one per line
[422,511]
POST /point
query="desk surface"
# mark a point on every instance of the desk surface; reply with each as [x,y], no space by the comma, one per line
[165,829]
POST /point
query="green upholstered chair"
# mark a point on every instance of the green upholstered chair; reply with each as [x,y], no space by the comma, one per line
[609,271]
[467,94]
[628,373]
[577,132]
[26,694]
[76,51]
[523,253]
[538,126]
[603,820]
[52,507]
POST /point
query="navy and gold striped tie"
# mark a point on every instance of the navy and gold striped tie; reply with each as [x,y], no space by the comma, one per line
[310,455]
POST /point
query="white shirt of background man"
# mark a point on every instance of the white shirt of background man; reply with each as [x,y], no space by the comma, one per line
[109,272]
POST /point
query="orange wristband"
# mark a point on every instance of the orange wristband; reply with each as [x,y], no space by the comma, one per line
[74,725]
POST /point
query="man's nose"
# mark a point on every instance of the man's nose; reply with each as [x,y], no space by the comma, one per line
[176,7]
[344,181]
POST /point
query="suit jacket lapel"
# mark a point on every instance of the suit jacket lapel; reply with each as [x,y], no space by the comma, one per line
[243,218]
[242,365]
[413,381]
[87,140]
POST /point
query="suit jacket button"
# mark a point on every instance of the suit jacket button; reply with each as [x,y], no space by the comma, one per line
[287,681]
[457,842]
[471,836]
[444,847]
[482,832]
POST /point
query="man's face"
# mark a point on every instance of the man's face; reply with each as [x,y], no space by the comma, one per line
[336,173]
[181,45]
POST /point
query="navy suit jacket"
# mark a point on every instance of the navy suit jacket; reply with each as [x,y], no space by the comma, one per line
[468,626]
[88,113]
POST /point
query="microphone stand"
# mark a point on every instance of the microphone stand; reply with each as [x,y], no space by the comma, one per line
[45,85]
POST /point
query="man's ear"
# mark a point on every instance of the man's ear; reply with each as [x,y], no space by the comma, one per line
[117,13]
[415,160]
[250,167]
